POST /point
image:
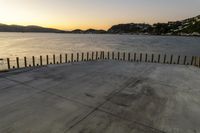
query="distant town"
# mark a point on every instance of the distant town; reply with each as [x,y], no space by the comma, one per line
[187,27]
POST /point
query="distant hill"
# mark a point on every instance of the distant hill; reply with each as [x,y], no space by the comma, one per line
[18,28]
[189,26]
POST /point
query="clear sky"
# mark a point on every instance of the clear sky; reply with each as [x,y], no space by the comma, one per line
[99,14]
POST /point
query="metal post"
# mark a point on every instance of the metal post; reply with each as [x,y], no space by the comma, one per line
[40,60]
[47,58]
[60,58]
[25,62]
[54,59]
[33,58]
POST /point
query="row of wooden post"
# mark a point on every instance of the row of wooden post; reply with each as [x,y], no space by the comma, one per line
[110,55]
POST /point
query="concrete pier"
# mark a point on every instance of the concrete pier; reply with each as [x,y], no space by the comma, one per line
[101,97]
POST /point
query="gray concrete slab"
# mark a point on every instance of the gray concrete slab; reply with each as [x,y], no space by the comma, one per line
[102,96]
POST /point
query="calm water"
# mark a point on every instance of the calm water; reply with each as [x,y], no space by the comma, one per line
[28,44]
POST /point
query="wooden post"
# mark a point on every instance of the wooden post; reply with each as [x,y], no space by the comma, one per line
[140,57]
[152,58]
[118,55]
[72,57]
[54,59]
[159,58]
[82,56]
[108,55]
[60,58]
[33,59]
[199,62]
[47,59]
[103,55]
[171,59]
[25,62]
[92,56]
[185,58]
[77,58]
[165,56]
[8,63]
[66,58]
[113,55]
[192,61]
[87,56]
[179,57]
[96,55]
[124,56]
[135,57]
[17,61]
[129,56]
[40,60]
[146,57]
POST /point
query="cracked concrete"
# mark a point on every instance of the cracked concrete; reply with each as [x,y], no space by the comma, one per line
[101,97]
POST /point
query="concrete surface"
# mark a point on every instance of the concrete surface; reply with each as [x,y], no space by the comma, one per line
[101,97]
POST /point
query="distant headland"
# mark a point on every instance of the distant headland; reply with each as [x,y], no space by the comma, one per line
[187,27]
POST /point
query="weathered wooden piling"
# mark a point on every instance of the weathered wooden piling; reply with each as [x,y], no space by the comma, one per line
[87,56]
[92,56]
[178,61]
[108,55]
[171,59]
[113,55]
[72,57]
[82,56]
[41,61]
[185,58]
[66,58]
[140,57]
[165,56]
[158,58]
[47,59]
[96,55]
[135,57]
[17,62]
[60,58]
[146,57]
[118,56]
[25,62]
[33,59]
[77,57]
[54,59]
[152,58]
[192,60]
[124,56]
[129,56]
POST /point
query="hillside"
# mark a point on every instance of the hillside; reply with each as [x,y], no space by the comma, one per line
[189,26]
[18,28]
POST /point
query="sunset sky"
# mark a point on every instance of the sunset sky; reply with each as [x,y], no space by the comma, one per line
[99,14]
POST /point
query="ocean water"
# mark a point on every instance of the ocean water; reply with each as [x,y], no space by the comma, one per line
[28,44]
